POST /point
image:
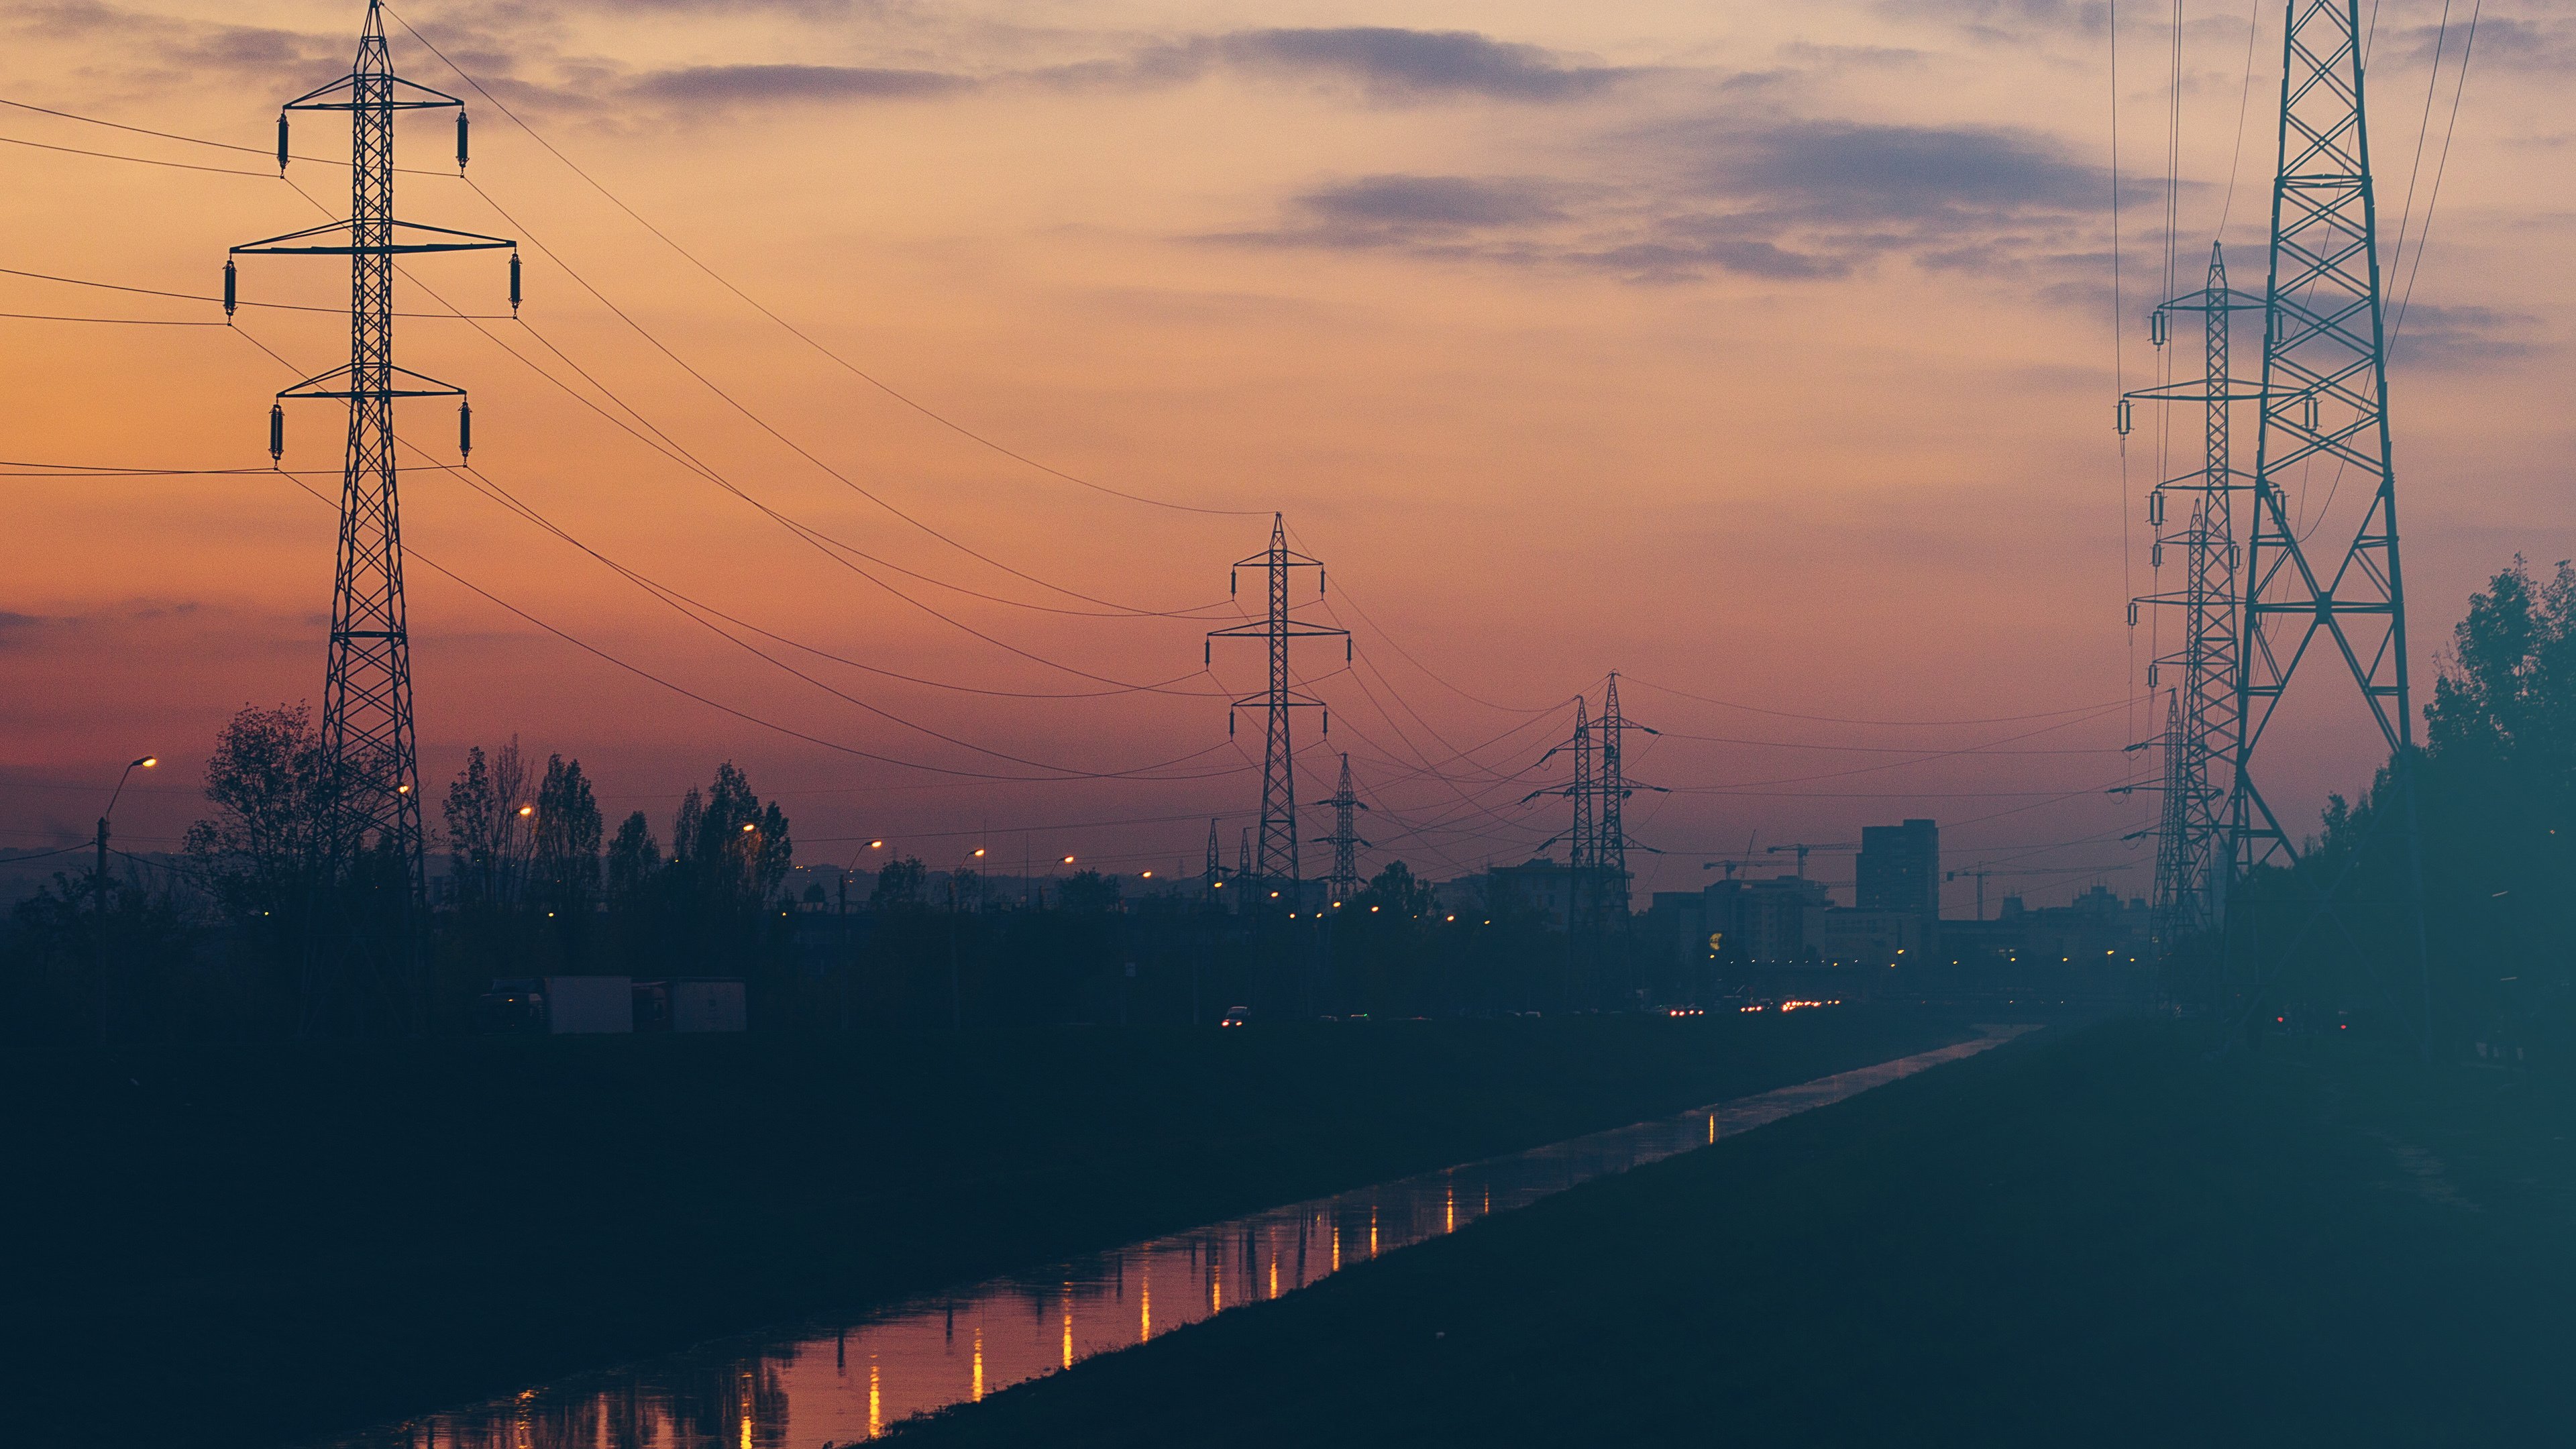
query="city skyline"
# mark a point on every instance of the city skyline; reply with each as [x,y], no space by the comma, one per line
[1766,360]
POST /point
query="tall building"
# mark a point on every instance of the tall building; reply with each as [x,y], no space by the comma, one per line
[1900,868]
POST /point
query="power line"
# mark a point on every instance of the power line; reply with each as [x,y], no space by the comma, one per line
[200,141]
[943,420]
[1889,723]
[531,515]
[137,160]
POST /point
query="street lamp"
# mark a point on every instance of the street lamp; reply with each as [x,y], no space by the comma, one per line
[145,762]
[956,976]
[99,883]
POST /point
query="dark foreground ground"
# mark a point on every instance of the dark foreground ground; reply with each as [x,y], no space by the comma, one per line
[2084,1238]
[250,1246]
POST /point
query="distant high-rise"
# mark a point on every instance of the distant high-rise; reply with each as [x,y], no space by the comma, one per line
[1900,868]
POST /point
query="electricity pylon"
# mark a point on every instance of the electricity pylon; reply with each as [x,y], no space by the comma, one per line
[1345,840]
[1276,860]
[2192,831]
[369,748]
[1215,861]
[1579,832]
[2324,429]
[1611,786]
[1597,869]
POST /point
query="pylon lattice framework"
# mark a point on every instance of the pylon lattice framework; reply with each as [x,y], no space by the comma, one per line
[1597,875]
[369,746]
[2192,837]
[1345,841]
[1612,788]
[1275,858]
[2324,404]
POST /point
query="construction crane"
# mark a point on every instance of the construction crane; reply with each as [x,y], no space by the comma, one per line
[1803,849]
[1979,875]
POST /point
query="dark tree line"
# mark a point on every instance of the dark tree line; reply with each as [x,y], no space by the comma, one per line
[2495,803]
[259,913]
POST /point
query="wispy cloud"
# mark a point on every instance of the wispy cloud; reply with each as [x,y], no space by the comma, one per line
[1740,192]
[2462,336]
[1379,65]
[1415,65]
[770,84]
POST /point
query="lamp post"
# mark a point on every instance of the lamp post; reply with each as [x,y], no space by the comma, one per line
[956,985]
[98,885]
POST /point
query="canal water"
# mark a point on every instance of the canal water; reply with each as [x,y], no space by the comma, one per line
[844,1383]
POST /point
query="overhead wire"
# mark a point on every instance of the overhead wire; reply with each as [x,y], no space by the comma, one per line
[672,596]
[756,305]
[780,436]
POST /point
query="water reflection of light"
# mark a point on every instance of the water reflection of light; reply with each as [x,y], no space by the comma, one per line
[1712,1126]
[675,1413]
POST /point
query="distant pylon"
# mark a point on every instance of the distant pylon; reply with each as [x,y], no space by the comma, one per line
[2325,411]
[1579,833]
[2192,845]
[1243,877]
[1611,786]
[369,746]
[1597,860]
[1345,840]
[1215,860]
[2174,899]
[1275,862]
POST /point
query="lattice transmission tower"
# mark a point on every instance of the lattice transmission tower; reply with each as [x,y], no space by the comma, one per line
[1597,837]
[2324,433]
[2200,734]
[1345,839]
[1274,864]
[368,741]
[1215,860]
[1612,787]
[1580,835]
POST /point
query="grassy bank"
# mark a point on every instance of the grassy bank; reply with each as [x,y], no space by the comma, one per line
[244,1246]
[2090,1237]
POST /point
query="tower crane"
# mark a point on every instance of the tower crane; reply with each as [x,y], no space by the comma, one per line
[1802,849]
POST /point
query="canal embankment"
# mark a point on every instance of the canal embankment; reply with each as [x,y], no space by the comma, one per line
[244,1246]
[2100,1236]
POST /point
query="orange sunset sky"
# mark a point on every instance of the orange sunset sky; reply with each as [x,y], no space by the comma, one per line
[1762,353]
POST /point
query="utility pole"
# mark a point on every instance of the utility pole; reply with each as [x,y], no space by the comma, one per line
[370,752]
[1276,862]
[1215,861]
[2325,407]
[2192,833]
